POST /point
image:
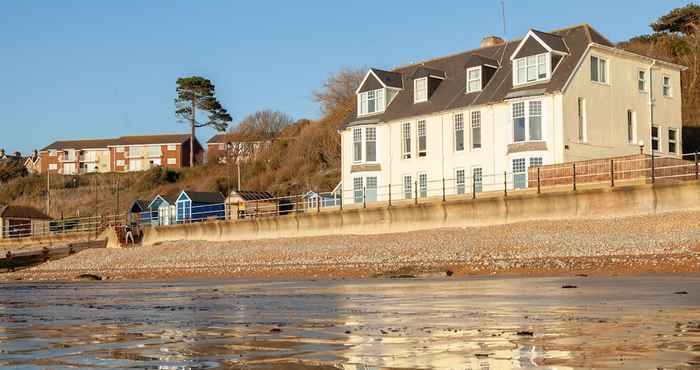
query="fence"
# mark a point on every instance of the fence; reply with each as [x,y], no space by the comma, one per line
[535,179]
[22,229]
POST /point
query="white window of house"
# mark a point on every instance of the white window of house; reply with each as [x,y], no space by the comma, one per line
[672,140]
[423,185]
[474,79]
[69,155]
[371,191]
[535,120]
[535,161]
[477,179]
[459,132]
[120,162]
[358,190]
[630,126]
[422,139]
[642,81]
[371,144]
[53,166]
[530,69]
[371,102]
[171,147]
[406,140]
[476,129]
[357,144]
[120,149]
[518,122]
[655,138]
[407,187]
[666,86]
[519,173]
[582,129]
[420,90]
[460,182]
[172,160]
[599,69]
[533,129]
[154,151]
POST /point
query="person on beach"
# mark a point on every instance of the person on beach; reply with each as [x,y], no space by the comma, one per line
[129,235]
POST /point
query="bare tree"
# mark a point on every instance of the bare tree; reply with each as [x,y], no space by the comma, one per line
[338,92]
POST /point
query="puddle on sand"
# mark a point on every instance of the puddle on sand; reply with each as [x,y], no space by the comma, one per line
[621,322]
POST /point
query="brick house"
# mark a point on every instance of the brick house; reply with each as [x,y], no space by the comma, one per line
[123,154]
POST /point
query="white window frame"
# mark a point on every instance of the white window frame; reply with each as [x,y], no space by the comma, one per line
[363,98]
[357,154]
[422,126]
[366,146]
[527,116]
[473,125]
[460,182]
[478,186]
[642,80]
[406,141]
[358,198]
[476,79]
[666,90]
[172,147]
[521,66]
[53,167]
[657,138]
[605,69]
[516,180]
[423,186]
[423,97]
[674,141]
[582,120]
[172,160]
[458,126]
[407,187]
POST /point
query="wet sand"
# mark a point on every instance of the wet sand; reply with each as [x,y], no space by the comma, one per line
[473,323]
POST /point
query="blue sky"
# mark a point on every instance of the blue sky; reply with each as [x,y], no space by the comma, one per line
[89,69]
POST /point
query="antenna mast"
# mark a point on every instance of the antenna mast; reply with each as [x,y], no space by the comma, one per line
[503,15]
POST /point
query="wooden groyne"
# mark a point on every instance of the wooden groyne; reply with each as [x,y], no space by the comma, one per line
[13,261]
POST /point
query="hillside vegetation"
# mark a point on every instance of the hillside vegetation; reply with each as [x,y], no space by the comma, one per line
[305,154]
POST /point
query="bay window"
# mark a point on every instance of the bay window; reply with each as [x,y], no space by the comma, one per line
[527,121]
[371,144]
[357,144]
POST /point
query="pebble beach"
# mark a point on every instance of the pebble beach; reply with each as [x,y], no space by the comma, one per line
[667,243]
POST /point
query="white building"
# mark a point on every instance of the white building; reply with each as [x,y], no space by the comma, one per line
[480,118]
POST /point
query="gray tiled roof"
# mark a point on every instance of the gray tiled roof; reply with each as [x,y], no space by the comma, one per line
[450,93]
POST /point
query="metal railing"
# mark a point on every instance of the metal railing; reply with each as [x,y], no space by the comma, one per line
[608,172]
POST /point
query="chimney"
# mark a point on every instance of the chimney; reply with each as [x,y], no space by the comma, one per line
[491,41]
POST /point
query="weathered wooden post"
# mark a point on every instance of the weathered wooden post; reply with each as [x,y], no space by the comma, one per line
[473,187]
[612,173]
[416,191]
[443,189]
[390,195]
[538,180]
[505,183]
[697,173]
[364,197]
[574,175]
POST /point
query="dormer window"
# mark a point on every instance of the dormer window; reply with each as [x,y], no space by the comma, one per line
[370,102]
[474,79]
[531,69]
[420,90]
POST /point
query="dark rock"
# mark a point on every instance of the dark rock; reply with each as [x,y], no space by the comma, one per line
[275,330]
[582,275]
[681,292]
[449,273]
[90,277]
[525,333]
[569,287]
[403,276]
[348,332]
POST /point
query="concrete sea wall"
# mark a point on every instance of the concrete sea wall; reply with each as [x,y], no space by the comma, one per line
[588,203]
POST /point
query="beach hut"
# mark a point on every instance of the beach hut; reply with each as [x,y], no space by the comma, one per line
[195,206]
[163,208]
[22,222]
[139,213]
[252,203]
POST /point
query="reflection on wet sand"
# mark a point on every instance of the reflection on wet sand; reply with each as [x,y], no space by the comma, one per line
[630,322]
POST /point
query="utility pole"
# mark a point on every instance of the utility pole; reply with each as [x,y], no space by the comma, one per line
[238,176]
[48,192]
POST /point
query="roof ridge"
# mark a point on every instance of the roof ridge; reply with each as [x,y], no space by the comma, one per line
[505,43]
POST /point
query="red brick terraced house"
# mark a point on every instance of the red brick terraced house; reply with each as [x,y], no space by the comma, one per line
[123,154]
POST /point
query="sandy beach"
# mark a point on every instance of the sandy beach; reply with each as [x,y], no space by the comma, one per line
[668,242]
